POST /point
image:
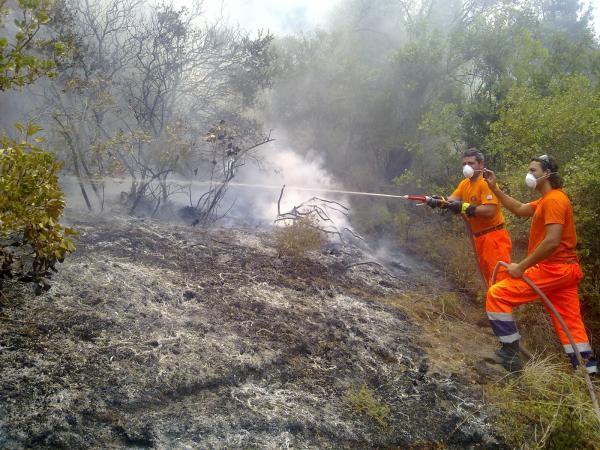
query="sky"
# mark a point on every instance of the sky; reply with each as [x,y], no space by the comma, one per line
[291,16]
[278,16]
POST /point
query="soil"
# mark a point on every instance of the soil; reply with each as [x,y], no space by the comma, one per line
[156,335]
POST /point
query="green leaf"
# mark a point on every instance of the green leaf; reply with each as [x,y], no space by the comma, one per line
[33,129]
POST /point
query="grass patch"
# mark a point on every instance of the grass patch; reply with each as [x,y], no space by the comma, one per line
[297,238]
[450,306]
[364,401]
[548,406]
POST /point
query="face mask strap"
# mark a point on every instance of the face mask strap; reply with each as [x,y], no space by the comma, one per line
[547,175]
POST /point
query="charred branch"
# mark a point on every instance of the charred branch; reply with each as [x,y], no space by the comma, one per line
[318,209]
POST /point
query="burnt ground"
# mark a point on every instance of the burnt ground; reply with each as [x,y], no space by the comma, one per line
[157,335]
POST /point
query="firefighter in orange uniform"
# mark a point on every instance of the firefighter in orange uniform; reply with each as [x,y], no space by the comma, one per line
[551,264]
[474,198]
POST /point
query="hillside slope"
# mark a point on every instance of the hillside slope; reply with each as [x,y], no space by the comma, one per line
[156,335]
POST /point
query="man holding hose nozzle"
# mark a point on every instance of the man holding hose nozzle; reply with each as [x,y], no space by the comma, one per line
[474,199]
[551,264]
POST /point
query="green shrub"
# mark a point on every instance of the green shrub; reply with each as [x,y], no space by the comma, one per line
[564,123]
[20,60]
[31,205]
[297,238]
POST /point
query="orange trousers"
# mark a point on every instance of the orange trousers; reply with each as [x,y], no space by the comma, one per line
[559,282]
[493,247]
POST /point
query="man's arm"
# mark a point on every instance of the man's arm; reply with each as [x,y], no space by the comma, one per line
[485,210]
[514,206]
[542,251]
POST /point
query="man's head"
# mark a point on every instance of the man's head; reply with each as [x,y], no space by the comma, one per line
[475,159]
[545,170]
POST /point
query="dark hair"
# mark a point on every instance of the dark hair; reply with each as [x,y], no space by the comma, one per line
[474,152]
[548,163]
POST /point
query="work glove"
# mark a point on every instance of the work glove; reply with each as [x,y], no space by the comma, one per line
[436,201]
[458,207]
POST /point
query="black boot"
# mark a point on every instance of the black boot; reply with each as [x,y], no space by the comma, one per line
[509,356]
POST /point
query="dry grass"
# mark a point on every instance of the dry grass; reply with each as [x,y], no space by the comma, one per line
[297,238]
[454,257]
[445,244]
[548,406]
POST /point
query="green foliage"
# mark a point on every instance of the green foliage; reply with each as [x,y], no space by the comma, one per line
[582,179]
[31,204]
[566,125]
[297,238]
[366,402]
[546,407]
[19,65]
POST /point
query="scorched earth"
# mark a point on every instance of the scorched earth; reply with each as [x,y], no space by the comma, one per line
[167,336]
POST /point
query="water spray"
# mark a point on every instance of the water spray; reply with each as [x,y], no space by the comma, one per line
[417,198]
[309,189]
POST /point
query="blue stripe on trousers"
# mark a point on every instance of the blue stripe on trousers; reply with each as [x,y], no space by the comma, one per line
[587,356]
[503,328]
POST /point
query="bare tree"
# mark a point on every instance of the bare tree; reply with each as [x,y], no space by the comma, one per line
[141,86]
[82,105]
[228,152]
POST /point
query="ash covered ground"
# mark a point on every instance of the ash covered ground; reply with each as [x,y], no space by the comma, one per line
[166,336]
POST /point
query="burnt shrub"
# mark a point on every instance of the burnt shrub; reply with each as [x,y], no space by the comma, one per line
[298,237]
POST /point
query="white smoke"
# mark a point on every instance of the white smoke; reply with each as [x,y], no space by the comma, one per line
[304,177]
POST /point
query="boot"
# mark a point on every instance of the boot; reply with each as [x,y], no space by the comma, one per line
[509,356]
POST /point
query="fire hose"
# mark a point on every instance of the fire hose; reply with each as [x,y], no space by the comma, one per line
[558,317]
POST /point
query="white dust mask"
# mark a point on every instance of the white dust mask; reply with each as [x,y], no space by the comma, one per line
[468,171]
[531,181]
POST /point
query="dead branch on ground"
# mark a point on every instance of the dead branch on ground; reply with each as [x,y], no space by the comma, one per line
[319,209]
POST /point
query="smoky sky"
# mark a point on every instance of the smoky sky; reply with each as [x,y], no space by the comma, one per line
[293,16]
[279,17]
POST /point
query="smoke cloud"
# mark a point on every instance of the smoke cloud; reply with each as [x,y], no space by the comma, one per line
[281,166]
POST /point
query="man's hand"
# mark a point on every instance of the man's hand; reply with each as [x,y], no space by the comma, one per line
[515,270]
[437,201]
[490,177]
[458,207]
[455,206]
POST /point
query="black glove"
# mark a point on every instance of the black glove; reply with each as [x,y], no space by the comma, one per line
[436,201]
[458,207]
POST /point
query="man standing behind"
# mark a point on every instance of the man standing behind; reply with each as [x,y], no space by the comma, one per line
[551,264]
[474,198]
